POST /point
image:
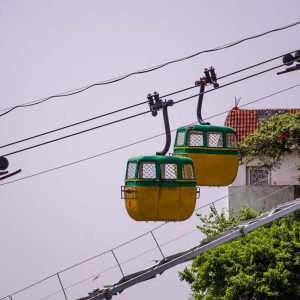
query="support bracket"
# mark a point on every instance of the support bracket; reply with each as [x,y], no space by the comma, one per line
[210,77]
[155,104]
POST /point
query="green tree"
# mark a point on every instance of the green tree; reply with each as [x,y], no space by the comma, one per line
[276,136]
[265,264]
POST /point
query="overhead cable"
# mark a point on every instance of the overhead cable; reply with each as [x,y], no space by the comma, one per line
[150,69]
[129,107]
[229,74]
[133,116]
[140,141]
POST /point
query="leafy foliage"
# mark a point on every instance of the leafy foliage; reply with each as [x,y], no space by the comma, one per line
[277,135]
[215,223]
[265,264]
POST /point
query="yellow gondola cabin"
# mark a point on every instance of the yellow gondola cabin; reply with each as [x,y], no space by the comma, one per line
[160,188]
[213,150]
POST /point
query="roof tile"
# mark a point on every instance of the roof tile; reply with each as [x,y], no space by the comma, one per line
[245,121]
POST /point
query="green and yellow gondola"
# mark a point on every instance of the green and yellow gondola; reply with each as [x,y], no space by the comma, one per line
[213,150]
[160,188]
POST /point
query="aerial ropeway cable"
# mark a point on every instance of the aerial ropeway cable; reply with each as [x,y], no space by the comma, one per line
[115,121]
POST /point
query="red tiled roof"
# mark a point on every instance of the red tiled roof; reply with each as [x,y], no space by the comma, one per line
[245,121]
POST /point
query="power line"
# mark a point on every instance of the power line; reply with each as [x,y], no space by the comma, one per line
[140,141]
[73,124]
[150,69]
[82,160]
[131,106]
[76,133]
[133,116]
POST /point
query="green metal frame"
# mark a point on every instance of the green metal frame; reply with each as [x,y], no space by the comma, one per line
[205,129]
[158,181]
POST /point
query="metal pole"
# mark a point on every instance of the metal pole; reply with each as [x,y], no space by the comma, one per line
[62,286]
[112,251]
[157,244]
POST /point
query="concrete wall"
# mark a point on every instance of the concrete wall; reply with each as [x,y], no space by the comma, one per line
[261,198]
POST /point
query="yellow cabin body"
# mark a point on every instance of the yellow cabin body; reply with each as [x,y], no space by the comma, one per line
[214,169]
[155,203]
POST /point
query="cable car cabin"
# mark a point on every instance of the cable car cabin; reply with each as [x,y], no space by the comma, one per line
[160,188]
[213,150]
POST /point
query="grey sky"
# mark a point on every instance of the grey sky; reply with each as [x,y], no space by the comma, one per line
[55,220]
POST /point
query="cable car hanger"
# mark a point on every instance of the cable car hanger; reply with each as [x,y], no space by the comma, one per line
[160,187]
[213,149]
[209,78]
[3,166]
[155,104]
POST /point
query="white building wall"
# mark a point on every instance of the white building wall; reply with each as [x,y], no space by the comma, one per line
[289,171]
[241,177]
[287,174]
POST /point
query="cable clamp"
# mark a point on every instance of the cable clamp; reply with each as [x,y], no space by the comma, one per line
[156,103]
[210,77]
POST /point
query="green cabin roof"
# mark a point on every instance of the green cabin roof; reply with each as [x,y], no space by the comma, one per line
[161,159]
[206,128]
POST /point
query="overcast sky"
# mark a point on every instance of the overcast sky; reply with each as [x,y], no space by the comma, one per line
[59,218]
